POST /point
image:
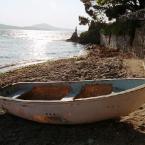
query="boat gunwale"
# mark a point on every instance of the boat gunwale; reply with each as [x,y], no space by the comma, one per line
[90,99]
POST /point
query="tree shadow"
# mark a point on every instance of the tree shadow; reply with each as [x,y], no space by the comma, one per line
[17,131]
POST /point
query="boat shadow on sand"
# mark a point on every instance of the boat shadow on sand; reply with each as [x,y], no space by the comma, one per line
[17,131]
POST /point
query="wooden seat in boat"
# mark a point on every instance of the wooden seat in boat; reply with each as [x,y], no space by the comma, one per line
[89,90]
[46,93]
[93,90]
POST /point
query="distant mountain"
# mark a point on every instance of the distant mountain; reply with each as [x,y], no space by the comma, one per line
[2,26]
[42,26]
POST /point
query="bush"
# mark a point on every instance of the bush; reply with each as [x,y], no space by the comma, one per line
[120,28]
[117,28]
[91,36]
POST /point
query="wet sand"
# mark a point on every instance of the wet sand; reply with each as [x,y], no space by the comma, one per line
[99,63]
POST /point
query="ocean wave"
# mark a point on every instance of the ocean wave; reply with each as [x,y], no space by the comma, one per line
[10,67]
[6,66]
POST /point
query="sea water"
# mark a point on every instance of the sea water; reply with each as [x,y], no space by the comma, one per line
[23,47]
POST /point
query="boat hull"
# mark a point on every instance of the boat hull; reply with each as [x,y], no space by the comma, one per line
[79,111]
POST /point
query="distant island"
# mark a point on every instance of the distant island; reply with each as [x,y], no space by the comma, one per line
[42,26]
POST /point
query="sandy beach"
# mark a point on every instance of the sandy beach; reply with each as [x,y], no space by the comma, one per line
[98,63]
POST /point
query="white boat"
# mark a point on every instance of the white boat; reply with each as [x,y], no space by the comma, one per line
[73,102]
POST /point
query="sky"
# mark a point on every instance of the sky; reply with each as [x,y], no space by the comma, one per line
[60,13]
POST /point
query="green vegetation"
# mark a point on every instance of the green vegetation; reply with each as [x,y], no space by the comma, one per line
[117,28]
[89,37]
[92,35]
[120,28]
[113,9]
[100,10]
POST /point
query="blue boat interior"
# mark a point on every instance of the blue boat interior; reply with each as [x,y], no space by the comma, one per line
[68,91]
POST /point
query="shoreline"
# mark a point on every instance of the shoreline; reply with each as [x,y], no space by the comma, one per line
[93,64]
[107,63]
[13,67]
